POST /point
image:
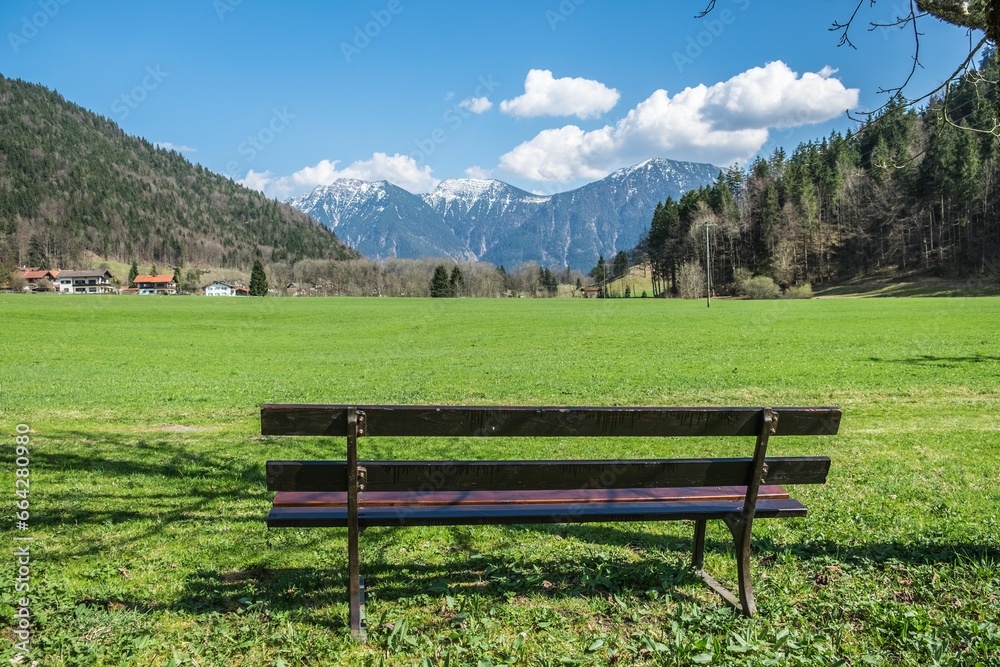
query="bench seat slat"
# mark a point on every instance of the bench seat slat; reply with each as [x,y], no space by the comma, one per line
[513,475]
[408,498]
[438,515]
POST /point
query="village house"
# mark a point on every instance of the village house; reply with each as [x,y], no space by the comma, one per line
[39,280]
[85,281]
[220,288]
[295,289]
[160,284]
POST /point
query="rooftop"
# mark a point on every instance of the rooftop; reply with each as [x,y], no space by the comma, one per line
[162,278]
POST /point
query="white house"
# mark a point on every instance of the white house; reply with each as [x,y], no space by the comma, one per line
[219,288]
[86,281]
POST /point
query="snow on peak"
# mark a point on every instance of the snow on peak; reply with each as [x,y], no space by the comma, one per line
[471,191]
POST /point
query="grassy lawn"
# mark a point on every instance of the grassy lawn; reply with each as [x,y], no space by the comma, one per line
[147,493]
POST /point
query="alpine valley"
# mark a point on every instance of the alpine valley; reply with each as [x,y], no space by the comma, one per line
[489,220]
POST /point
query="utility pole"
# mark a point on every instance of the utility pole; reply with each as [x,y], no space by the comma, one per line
[708,269]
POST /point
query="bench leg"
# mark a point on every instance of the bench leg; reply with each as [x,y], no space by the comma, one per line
[699,544]
[740,529]
[741,539]
[356,591]
[359,629]
[355,584]
[740,525]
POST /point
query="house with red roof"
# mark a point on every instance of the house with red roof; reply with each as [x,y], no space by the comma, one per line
[159,284]
[39,280]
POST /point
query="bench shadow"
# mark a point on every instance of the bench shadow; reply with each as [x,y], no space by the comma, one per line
[320,593]
[875,553]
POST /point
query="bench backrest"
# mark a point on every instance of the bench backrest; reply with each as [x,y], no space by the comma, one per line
[474,421]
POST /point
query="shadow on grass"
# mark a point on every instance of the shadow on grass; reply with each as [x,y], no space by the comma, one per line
[873,553]
[321,592]
[942,362]
[917,288]
[663,563]
[121,481]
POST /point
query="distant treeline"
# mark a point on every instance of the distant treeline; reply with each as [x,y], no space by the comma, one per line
[418,277]
[910,190]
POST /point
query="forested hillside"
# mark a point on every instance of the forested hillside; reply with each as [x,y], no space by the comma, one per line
[909,191]
[71,180]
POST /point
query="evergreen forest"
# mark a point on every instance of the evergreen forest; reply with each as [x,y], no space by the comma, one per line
[73,181]
[909,191]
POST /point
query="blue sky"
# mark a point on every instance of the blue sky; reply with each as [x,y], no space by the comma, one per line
[546,95]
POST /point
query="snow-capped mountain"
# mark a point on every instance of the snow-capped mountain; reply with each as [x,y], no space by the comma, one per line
[381,220]
[496,222]
[483,213]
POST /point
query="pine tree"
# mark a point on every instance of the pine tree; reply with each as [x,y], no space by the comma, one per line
[456,283]
[258,280]
[664,244]
[621,264]
[549,282]
[132,273]
[599,274]
[439,283]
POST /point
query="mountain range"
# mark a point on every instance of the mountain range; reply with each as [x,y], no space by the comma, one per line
[489,220]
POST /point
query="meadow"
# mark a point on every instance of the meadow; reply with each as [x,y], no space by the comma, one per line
[147,493]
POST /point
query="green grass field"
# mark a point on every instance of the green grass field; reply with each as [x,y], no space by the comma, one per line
[147,493]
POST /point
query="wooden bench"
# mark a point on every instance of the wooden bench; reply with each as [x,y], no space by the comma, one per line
[358,494]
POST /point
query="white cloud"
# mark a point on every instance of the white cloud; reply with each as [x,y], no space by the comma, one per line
[561,155]
[725,123]
[256,181]
[180,148]
[475,171]
[775,96]
[476,105]
[547,96]
[401,170]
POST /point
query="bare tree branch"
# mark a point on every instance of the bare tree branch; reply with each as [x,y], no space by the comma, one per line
[707,10]
[845,28]
[973,14]
[911,20]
